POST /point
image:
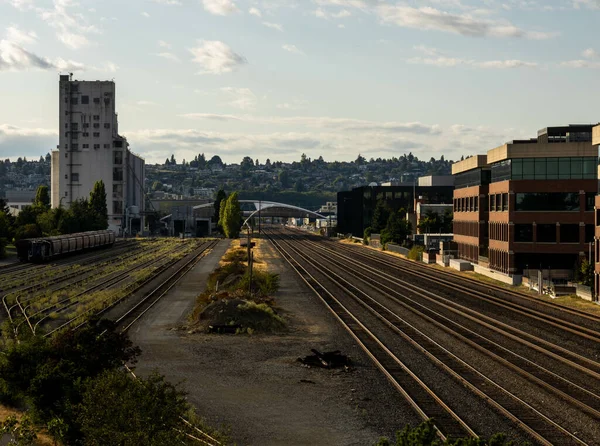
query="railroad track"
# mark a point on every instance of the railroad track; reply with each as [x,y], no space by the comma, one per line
[81,319]
[63,281]
[134,314]
[531,420]
[518,301]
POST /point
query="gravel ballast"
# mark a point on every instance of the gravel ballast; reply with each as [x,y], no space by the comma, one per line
[254,384]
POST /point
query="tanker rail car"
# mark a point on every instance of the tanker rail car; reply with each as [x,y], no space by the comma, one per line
[44,249]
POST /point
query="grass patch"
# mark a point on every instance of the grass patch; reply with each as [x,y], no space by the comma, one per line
[231,298]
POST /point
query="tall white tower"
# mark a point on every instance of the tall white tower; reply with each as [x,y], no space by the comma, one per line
[90,149]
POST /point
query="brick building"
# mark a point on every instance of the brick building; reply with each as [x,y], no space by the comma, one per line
[540,202]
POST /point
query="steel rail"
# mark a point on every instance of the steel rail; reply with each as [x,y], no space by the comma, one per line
[91,269]
[105,284]
[435,407]
[589,401]
[441,351]
[480,319]
[170,282]
[113,304]
[454,280]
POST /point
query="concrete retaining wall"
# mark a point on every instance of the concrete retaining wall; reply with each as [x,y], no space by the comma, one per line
[461,265]
[397,249]
[505,278]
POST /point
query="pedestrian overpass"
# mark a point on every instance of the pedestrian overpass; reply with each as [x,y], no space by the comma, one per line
[261,208]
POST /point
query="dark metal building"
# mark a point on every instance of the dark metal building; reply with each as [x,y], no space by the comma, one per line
[356,207]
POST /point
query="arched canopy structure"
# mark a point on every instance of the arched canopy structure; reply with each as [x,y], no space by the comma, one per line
[250,208]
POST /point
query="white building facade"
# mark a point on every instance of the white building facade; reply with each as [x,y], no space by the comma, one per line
[90,149]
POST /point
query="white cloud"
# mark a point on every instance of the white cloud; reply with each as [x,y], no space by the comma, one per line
[255,12]
[242,98]
[296,104]
[341,26]
[581,63]
[276,26]
[168,2]
[591,60]
[439,59]
[14,57]
[168,56]
[590,4]
[216,57]
[292,49]
[220,7]
[109,67]
[590,53]
[145,14]
[71,28]
[18,141]
[163,44]
[427,18]
[341,14]
[324,123]
[22,5]
[19,37]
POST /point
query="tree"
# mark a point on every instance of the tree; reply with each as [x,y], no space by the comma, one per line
[360,160]
[42,198]
[397,228]
[98,208]
[381,215]
[157,185]
[220,201]
[119,410]
[173,162]
[586,273]
[201,161]
[215,161]
[5,233]
[299,185]
[232,217]
[246,165]
[284,179]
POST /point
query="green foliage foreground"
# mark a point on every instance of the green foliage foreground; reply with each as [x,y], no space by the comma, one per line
[425,434]
[75,386]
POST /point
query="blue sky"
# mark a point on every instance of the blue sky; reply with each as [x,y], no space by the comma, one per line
[278,78]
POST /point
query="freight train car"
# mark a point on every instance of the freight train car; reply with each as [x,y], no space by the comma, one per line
[44,249]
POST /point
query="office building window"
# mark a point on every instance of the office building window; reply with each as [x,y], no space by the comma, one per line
[96,100]
[117,157]
[96,125]
[96,146]
[117,174]
[86,146]
[86,125]
[96,134]
[74,178]
[74,146]
[85,100]
[117,207]
[117,191]
[568,168]
[107,146]
[569,233]
[85,134]
[589,201]
[523,233]
[106,125]
[96,117]
[66,176]
[546,233]
[74,101]
[547,201]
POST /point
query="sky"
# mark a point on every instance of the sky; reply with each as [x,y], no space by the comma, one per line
[278,78]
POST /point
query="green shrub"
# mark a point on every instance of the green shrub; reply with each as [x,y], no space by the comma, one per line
[425,435]
[416,253]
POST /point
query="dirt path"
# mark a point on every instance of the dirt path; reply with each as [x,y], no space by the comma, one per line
[254,385]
